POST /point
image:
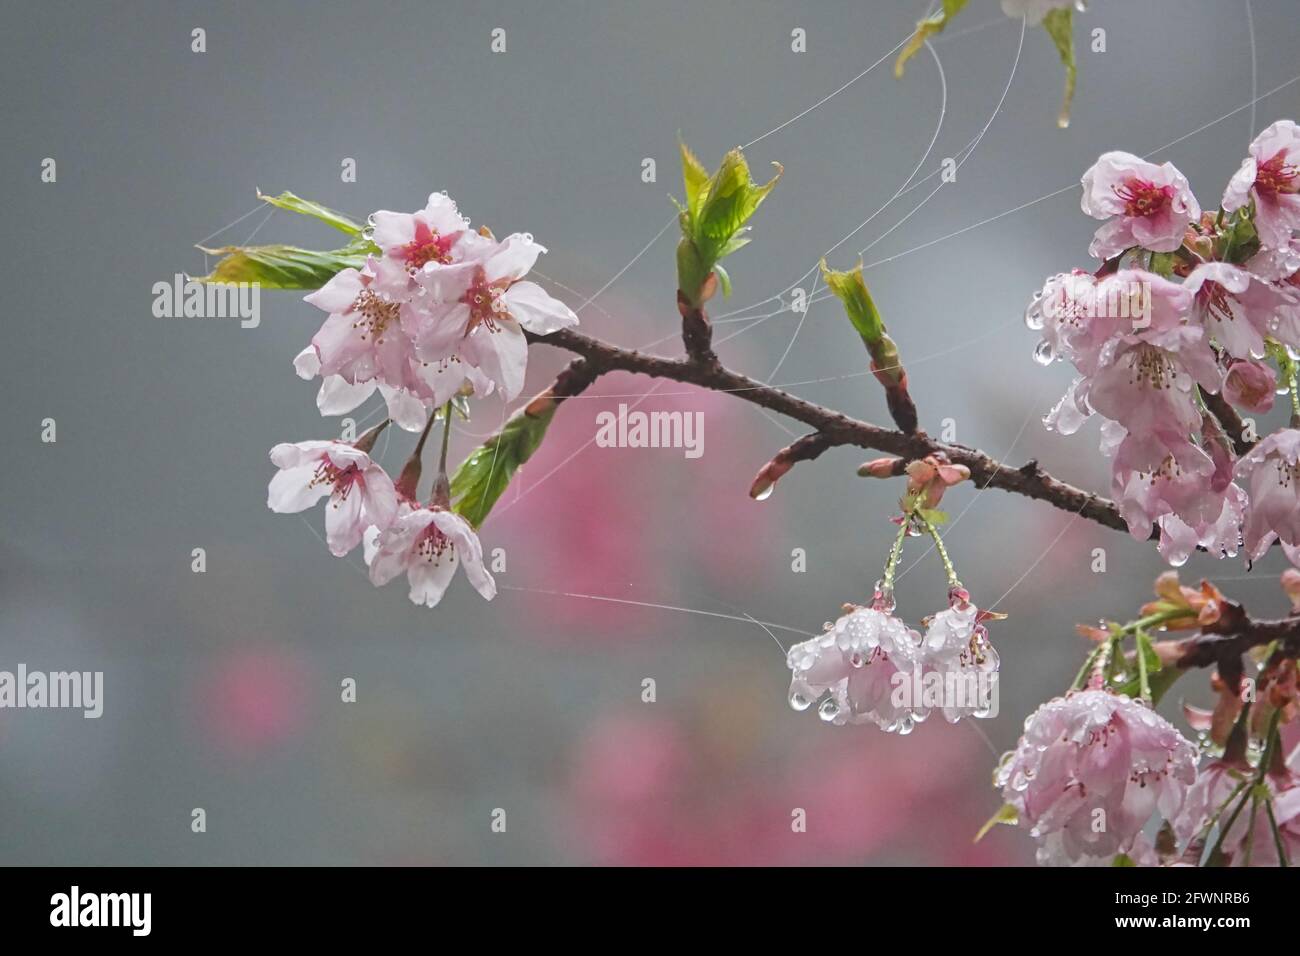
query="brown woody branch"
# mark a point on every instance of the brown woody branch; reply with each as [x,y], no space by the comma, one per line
[836,428]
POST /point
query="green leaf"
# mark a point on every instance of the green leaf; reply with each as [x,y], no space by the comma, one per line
[724,280]
[285,267]
[1122,859]
[486,473]
[696,178]
[851,289]
[305,207]
[714,218]
[925,29]
[1059,25]
[934,516]
[1006,814]
[731,199]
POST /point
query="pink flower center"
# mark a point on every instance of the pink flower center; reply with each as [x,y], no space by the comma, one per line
[1152,368]
[433,544]
[373,313]
[427,246]
[1274,176]
[485,304]
[1214,298]
[1142,198]
[341,478]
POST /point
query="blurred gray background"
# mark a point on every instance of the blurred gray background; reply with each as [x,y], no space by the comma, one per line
[222,688]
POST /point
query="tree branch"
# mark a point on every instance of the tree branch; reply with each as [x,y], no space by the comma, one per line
[598,358]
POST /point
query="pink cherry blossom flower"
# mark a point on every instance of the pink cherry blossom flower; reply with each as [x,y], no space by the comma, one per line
[1073,322]
[1162,478]
[1220,783]
[1090,770]
[1270,176]
[1146,205]
[855,664]
[1240,309]
[427,544]
[438,233]
[337,396]
[362,339]
[477,310]
[1250,385]
[956,654]
[1271,473]
[360,493]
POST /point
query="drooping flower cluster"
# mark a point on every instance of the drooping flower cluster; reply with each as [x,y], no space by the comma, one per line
[1186,306]
[1090,771]
[869,666]
[437,313]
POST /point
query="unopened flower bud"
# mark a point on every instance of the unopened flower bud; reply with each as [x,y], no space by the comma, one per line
[1250,385]
[882,468]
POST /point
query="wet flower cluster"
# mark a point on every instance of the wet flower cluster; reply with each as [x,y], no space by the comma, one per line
[1187,309]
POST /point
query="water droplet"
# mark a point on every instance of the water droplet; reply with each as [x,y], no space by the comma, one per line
[766,492]
[1044,353]
[1034,319]
[829,710]
[799,700]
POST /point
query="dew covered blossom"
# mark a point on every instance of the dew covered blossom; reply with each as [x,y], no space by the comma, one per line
[1269,178]
[1270,473]
[851,670]
[1143,204]
[1090,771]
[957,655]
[1186,308]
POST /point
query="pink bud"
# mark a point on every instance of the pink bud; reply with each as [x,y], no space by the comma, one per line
[879,468]
[1250,385]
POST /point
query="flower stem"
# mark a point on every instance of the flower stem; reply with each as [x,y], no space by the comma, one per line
[895,553]
[446,438]
[943,554]
[1144,681]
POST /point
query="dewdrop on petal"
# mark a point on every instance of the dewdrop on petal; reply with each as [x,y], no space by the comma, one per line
[850,669]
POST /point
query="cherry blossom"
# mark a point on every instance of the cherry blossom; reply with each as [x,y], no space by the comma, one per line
[1240,309]
[476,311]
[427,544]
[854,664]
[360,493]
[438,233]
[1090,770]
[1270,472]
[1270,178]
[1146,205]
[957,649]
